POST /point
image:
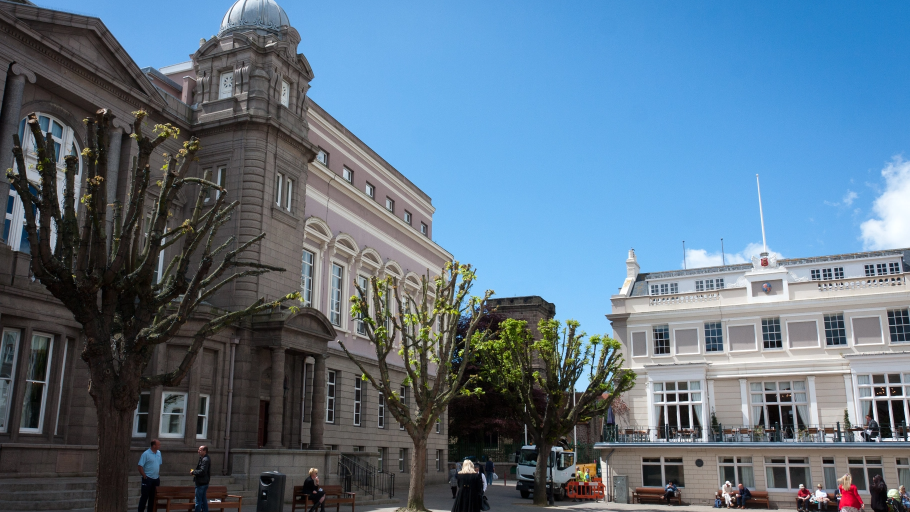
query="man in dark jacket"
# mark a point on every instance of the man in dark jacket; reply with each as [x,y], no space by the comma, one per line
[202,475]
[742,495]
[489,468]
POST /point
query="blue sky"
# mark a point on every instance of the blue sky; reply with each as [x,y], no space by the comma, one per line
[554,136]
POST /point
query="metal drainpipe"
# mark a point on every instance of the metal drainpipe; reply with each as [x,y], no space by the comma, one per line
[230,402]
[609,485]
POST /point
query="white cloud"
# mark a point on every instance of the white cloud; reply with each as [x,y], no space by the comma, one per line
[890,226]
[698,258]
[850,197]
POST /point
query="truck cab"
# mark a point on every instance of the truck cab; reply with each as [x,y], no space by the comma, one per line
[560,470]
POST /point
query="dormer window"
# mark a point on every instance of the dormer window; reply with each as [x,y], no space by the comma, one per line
[707,285]
[664,288]
[226,85]
[285,93]
[882,269]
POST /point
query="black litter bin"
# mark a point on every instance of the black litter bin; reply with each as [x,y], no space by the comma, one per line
[271,492]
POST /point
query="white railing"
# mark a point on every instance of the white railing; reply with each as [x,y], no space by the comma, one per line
[862,284]
[685,298]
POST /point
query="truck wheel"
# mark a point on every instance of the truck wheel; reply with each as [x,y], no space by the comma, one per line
[525,495]
[560,494]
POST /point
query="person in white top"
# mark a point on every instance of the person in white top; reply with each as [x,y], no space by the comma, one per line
[482,477]
[820,497]
[727,492]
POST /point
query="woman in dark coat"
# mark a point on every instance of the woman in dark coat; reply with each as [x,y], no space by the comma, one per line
[315,494]
[879,492]
[470,489]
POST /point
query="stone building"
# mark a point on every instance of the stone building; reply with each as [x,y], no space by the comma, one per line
[763,373]
[334,212]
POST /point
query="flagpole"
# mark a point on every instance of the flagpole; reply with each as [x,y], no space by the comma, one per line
[762,215]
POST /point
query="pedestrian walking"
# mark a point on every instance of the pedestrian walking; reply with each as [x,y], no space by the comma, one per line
[879,492]
[470,489]
[149,465]
[201,476]
[490,468]
[850,500]
[453,479]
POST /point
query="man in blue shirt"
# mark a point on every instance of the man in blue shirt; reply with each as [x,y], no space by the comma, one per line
[149,464]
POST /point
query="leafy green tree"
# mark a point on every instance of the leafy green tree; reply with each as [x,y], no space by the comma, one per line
[109,285]
[418,329]
[516,364]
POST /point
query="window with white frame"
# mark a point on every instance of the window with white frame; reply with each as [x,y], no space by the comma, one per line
[407,216]
[737,470]
[439,461]
[337,281]
[306,278]
[884,397]
[380,461]
[787,472]
[289,194]
[780,404]
[707,285]
[714,337]
[9,350]
[403,393]
[218,178]
[226,85]
[863,470]
[202,418]
[364,285]
[835,331]
[390,204]
[664,288]
[65,142]
[402,460]
[827,274]
[438,425]
[173,414]
[661,340]
[141,416]
[381,410]
[678,406]
[285,93]
[370,190]
[322,156]
[358,397]
[347,175]
[899,325]
[279,188]
[657,471]
[37,371]
[330,397]
[903,471]
[882,269]
[770,333]
[424,229]
[829,470]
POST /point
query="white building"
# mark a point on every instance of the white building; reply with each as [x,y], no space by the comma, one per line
[783,354]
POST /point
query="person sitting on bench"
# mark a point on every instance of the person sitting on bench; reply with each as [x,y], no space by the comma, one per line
[821,497]
[670,491]
[802,498]
[742,495]
[314,493]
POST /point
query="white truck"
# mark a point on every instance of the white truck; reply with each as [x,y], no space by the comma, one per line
[560,470]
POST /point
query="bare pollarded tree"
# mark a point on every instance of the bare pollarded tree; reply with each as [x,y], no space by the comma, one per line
[110,286]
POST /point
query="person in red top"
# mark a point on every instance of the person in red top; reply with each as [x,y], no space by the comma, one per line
[850,500]
[802,498]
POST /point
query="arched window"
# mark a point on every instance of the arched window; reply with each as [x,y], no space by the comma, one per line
[63,137]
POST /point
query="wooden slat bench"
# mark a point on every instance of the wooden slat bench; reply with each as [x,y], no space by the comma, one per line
[183,498]
[643,494]
[758,498]
[334,495]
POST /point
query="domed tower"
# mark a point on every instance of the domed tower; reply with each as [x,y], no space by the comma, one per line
[250,114]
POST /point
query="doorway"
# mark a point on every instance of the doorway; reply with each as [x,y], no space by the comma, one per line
[263,436]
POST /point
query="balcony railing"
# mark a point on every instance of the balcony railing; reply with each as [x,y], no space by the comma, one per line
[776,433]
[862,284]
[684,298]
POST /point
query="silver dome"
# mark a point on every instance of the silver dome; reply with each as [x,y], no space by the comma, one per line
[254,14]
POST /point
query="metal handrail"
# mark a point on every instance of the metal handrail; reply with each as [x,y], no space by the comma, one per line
[357,473]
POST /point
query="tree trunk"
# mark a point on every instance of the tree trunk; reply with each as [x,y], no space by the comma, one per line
[418,474]
[540,474]
[114,435]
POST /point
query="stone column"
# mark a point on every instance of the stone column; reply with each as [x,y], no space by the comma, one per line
[113,176]
[9,120]
[317,418]
[276,399]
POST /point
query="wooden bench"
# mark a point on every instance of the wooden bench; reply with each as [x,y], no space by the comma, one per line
[758,498]
[643,494]
[184,498]
[334,495]
[832,499]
